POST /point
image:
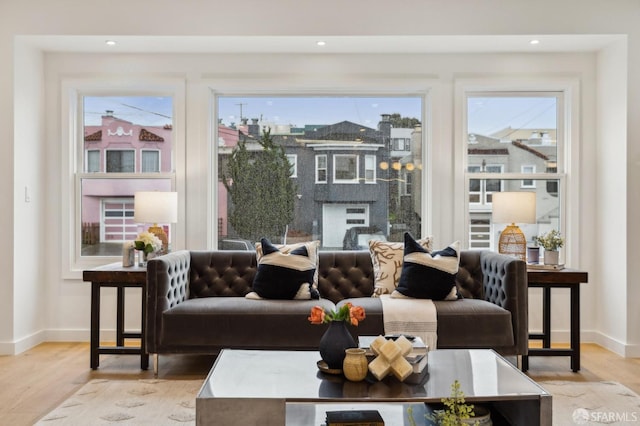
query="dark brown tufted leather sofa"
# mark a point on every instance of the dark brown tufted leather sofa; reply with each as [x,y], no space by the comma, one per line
[195,303]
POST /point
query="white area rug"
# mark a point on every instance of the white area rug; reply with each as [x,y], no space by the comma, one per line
[593,403]
[129,402]
[172,402]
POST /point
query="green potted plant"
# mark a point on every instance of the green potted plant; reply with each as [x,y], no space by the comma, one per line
[550,242]
[456,412]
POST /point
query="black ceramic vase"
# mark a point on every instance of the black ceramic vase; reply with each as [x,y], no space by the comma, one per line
[333,343]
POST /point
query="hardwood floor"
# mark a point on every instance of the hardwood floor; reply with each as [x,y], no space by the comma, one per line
[35,382]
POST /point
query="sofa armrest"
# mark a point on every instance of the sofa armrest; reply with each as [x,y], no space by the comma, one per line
[167,286]
[505,284]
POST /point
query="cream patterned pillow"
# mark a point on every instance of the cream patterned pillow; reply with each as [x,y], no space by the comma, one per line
[387,258]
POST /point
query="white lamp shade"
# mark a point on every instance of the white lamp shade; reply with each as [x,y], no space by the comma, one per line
[514,207]
[155,207]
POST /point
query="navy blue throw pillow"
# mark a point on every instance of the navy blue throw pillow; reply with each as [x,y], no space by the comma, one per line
[429,275]
[285,276]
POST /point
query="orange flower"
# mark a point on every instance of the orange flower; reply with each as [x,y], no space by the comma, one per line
[356,314]
[317,315]
[347,312]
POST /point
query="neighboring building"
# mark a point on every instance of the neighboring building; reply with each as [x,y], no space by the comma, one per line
[511,151]
[119,146]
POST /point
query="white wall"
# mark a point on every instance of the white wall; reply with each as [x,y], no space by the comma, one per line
[31,239]
[67,302]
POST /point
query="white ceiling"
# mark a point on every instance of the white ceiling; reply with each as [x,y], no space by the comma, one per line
[334,44]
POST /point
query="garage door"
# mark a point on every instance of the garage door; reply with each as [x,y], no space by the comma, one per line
[337,218]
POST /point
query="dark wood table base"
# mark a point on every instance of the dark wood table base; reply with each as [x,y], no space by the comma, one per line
[116,276]
[548,280]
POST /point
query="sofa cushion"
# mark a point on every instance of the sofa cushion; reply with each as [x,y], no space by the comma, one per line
[473,323]
[312,247]
[429,275]
[386,257]
[236,322]
[285,275]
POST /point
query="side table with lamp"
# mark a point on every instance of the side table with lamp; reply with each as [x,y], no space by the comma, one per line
[149,207]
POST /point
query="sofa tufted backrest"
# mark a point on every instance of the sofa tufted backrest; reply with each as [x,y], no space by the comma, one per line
[341,274]
[221,273]
[469,277]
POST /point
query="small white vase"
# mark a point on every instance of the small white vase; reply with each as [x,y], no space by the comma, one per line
[551,257]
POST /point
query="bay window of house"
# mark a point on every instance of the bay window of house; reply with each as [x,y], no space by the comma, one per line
[349,174]
[510,136]
[128,141]
[345,168]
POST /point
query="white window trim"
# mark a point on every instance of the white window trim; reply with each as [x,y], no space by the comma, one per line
[568,158]
[72,90]
[356,179]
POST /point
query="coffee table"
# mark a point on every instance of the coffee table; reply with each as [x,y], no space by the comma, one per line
[286,388]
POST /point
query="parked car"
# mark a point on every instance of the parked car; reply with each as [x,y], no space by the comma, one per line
[357,238]
[237,245]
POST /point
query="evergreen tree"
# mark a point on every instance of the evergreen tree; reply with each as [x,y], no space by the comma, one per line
[399,122]
[261,190]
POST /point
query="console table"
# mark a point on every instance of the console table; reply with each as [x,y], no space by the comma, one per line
[548,280]
[115,275]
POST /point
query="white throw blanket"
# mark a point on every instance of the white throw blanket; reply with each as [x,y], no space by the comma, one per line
[406,315]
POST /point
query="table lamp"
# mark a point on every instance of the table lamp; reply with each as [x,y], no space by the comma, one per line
[156,207]
[513,207]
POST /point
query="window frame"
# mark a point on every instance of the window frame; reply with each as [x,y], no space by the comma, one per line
[294,164]
[523,182]
[325,168]
[121,151]
[73,90]
[568,153]
[159,163]
[356,178]
[372,159]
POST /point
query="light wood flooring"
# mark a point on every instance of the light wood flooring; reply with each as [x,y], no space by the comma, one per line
[36,381]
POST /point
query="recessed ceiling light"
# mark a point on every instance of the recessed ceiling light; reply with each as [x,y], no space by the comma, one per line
[110,42]
[321,43]
[533,42]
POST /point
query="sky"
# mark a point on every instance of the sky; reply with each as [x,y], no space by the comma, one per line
[486,114]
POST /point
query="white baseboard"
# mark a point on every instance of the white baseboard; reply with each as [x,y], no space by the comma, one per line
[26,343]
[592,336]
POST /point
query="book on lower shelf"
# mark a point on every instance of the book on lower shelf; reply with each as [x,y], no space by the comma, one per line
[354,418]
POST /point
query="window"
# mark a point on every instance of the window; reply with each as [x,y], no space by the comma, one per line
[150,161]
[93,161]
[321,169]
[481,190]
[121,161]
[345,168]
[348,173]
[293,160]
[510,136]
[131,134]
[370,169]
[528,170]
